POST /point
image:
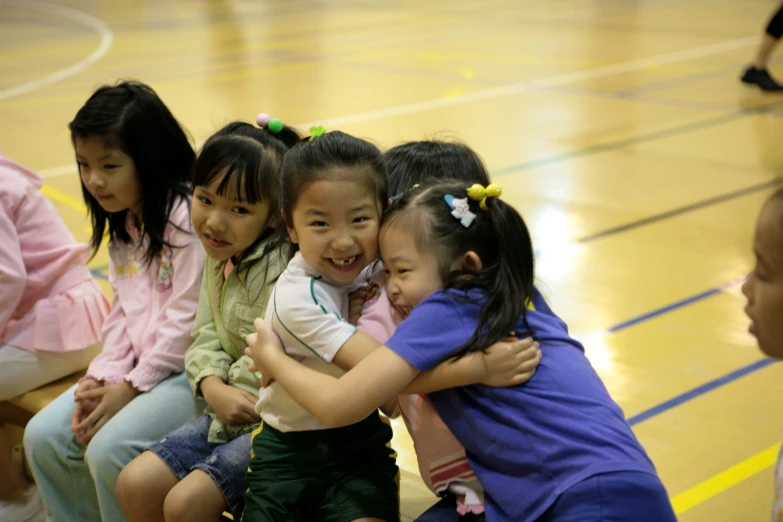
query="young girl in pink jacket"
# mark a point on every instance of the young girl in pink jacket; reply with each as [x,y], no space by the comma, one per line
[134,161]
[50,317]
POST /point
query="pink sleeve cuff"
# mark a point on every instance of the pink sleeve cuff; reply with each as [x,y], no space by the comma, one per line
[144,377]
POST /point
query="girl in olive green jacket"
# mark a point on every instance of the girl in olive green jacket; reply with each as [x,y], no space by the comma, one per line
[198,471]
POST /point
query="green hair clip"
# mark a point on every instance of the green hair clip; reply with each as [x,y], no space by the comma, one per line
[316,131]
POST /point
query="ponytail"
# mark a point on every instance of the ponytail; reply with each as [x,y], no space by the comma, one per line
[500,238]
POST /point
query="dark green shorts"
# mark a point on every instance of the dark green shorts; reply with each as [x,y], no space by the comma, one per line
[335,475]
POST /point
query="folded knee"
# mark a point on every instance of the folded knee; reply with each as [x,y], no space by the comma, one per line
[37,439]
[176,508]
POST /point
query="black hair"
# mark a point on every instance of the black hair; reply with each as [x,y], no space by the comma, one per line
[498,236]
[333,155]
[418,161]
[130,116]
[248,158]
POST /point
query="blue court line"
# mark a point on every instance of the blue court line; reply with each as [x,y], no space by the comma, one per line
[663,310]
[674,306]
[698,205]
[704,388]
[699,390]
[677,130]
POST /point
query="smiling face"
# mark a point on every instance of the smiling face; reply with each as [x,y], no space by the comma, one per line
[226,226]
[335,223]
[764,287]
[411,275]
[108,174]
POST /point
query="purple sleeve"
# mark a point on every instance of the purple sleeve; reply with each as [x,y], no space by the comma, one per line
[432,332]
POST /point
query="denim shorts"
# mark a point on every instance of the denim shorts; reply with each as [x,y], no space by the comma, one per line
[187,449]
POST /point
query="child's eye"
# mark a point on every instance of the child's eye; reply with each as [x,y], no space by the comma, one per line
[82,164]
[319,224]
[361,219]
[386,271]
[110,167]
[203,200]
[402,271]
[241,210]
[759,275]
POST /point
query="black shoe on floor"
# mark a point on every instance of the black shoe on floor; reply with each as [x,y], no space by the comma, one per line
[762,79]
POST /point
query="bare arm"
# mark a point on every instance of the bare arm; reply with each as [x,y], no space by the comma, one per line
[506,363]
[336,402]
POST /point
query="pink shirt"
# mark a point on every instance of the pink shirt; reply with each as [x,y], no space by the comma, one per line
[442,460]
[148,330]
[49,299]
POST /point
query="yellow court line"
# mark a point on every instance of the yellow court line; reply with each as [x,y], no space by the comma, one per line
[61,197]
[724,480]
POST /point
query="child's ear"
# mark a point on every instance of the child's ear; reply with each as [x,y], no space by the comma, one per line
[471,261]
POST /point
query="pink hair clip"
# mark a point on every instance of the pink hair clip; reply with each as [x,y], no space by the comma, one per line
[273,125]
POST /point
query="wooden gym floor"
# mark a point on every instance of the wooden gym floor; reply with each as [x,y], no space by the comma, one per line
[618,128]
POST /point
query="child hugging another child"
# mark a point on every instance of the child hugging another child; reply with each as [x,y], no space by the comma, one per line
[459,264]
[333,191]
[442,462]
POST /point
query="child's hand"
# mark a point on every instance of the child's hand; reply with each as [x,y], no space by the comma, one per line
[84,407]
[233,406]
[510,362]
[111,399]
[356,303]
[262,346]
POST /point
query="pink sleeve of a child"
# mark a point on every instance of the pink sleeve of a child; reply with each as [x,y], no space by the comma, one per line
[116,358]
[13,276]
[167,356]
[378,319]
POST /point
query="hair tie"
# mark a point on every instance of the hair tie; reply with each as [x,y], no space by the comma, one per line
[273,125]
[480,194]
[460,209]
[316,131]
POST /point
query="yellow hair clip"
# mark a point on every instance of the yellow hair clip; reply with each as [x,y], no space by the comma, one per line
[479,193]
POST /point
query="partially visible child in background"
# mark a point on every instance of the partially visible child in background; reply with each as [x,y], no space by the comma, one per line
[198,471]
[442,462]
[50,319]
[134,163]
[764,291]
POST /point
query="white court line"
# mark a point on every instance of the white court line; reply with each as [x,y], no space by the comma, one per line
[507,90]
[107,37]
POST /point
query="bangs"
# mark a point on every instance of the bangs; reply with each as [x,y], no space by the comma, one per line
[415,221]
[110,138]
[246,171]
[235,183]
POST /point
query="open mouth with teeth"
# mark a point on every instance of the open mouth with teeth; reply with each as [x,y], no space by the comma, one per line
[215,242]
[344,264]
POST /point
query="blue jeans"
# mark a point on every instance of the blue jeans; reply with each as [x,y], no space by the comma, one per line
[78,482]
[188,449]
